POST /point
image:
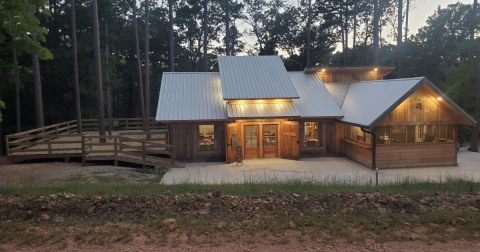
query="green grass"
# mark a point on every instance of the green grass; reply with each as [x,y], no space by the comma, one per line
[114,186]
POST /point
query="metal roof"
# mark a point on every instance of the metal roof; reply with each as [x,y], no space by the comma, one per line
[255,77]
[368,102]
[338,91]
[262,110]
[315,100]
[191,96]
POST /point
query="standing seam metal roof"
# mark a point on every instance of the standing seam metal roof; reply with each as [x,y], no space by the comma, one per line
[255,77]
[191,96]
[338,91]
[315,100]
[367,101]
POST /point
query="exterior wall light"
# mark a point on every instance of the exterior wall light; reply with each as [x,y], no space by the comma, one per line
[439,98]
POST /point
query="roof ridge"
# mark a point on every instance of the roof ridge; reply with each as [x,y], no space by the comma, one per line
[191,72]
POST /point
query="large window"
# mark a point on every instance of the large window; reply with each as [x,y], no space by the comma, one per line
[313,134]
[356,134]
[206,138]
[415,134]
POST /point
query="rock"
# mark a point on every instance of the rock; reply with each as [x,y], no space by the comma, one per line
[382,210]
[98,198]
[91,210]
[208,204]
[217,194]
[209,195]
[472,208]
[433,225]
[291,225]
[359,195]
[59,219]
[45,217]
[168,221]
[172,227]
[203,211]
[221,225]
[295,195]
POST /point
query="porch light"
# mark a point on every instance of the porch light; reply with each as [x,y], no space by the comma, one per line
[439,98]
[376,69]
[323,70]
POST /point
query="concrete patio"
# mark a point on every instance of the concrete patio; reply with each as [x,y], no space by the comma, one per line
[330,169]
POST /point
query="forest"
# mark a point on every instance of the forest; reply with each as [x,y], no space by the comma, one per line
[100,57]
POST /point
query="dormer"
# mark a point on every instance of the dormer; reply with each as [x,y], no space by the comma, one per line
[349,74]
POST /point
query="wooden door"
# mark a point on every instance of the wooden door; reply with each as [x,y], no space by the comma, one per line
[232,139]
[270,141]
[290,147]
[252,142]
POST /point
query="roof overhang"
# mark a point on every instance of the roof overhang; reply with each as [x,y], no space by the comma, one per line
[348,70]
[262,110]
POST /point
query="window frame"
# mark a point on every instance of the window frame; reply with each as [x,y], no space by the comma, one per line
[215,135]
[321,130]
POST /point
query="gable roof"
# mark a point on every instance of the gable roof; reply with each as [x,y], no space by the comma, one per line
[367,103]
[255,77]
[315,100]
[191,96]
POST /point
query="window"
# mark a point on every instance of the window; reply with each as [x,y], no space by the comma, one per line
[312,134]
[383,135]
[356,134]
[445,133]
[399,134]
[206,138]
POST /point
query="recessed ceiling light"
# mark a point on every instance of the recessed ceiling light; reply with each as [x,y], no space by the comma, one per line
[439,98]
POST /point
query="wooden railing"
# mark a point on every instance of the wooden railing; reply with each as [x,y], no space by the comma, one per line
[25,140]
[119,148]
[62,140]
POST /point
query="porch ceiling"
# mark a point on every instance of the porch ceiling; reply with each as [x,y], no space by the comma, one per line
[262,110]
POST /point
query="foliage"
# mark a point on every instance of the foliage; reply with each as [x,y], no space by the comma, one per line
[19,21]
[2,106]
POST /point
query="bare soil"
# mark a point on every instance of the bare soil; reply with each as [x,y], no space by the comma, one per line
[266,245]
[46,173]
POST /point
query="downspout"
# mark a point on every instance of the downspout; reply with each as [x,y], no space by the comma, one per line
[374,146]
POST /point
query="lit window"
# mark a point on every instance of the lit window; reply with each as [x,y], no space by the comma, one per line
[206,138]
[313,134]
[399,134]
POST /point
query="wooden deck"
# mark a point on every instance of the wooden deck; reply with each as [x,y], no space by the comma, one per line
[126,144]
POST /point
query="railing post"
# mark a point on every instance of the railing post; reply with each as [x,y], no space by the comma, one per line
[83,150]
[28,141]
[49,145]
[68,127]
[57,129]
[143,154]
[126,123]
[115,150]
[7,151]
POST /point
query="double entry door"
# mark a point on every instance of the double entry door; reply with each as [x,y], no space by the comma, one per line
[261,140]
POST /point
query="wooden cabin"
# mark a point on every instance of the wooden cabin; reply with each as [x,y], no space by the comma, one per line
[254,104]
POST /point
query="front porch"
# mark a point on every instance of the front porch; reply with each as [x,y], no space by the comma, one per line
[318,170]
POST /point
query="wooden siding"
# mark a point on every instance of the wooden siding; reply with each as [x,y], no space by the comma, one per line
[410,113]
[416,155]
[350,77]
[185,136]
[358,153]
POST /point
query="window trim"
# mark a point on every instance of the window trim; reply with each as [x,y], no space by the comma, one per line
[320,133]
[215,134]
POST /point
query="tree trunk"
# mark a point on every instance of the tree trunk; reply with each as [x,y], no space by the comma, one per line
[76,86]
[354,33]
[139,67]
[171,58]
[38,88]
[343,40]
[400,62]
[107,83]
[17,88]
[205,36]
[476,129]
[309,20]
[406,21]
[227,28]
[98,71]
[376,17]
[346,36]
[147,65]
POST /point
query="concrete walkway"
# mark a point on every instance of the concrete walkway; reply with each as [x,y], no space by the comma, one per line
[319,170]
